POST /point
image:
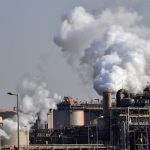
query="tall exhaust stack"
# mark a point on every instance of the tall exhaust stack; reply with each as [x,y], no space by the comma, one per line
[107,102]
[50,119]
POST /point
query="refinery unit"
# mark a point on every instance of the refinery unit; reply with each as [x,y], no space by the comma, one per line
[108,124]
[122,123]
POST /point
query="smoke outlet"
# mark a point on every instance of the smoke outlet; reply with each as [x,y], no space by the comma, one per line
[107,102]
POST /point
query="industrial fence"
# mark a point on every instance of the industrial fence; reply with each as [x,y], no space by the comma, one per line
[60,147]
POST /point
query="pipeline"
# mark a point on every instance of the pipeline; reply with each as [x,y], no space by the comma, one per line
[119,94]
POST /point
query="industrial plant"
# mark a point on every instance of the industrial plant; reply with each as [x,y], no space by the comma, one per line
[120,122]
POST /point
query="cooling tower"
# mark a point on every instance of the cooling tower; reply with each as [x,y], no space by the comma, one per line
[107,102]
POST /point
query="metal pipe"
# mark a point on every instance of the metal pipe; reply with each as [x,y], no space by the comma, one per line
[18,119]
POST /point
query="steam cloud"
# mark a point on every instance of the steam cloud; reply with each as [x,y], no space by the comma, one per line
[4,134]
[35,99]
[111,49]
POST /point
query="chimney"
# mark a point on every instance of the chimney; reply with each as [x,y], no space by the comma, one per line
[50,119]
[107,102]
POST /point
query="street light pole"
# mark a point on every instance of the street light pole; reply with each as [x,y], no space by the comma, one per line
[17,115]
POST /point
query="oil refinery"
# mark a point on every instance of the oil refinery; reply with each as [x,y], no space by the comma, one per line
[120,123]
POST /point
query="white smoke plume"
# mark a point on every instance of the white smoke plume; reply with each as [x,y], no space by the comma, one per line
[10,125]
[34,99]
[111,49]
[4,134]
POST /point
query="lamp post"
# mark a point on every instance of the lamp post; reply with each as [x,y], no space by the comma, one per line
[17,115]
[1,125]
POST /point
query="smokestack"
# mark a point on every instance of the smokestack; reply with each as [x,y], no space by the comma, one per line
[50,119]
[107,102]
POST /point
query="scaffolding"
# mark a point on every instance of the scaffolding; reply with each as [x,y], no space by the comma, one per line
[132,128]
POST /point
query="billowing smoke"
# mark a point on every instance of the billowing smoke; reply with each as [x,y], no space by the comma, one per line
[34,100]
[10,125]
[3,134]
[110,49]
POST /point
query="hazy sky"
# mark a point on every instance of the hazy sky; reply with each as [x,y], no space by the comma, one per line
[27,29]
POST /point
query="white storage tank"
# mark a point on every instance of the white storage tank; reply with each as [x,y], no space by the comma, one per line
[76,117]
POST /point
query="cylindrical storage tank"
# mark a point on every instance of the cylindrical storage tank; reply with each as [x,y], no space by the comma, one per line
[76,117]
[50,119]
[107,101]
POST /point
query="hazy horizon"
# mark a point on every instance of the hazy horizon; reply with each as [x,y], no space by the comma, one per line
[27,30]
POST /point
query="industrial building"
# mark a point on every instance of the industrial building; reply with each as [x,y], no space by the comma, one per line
[119,124]
[5,113]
